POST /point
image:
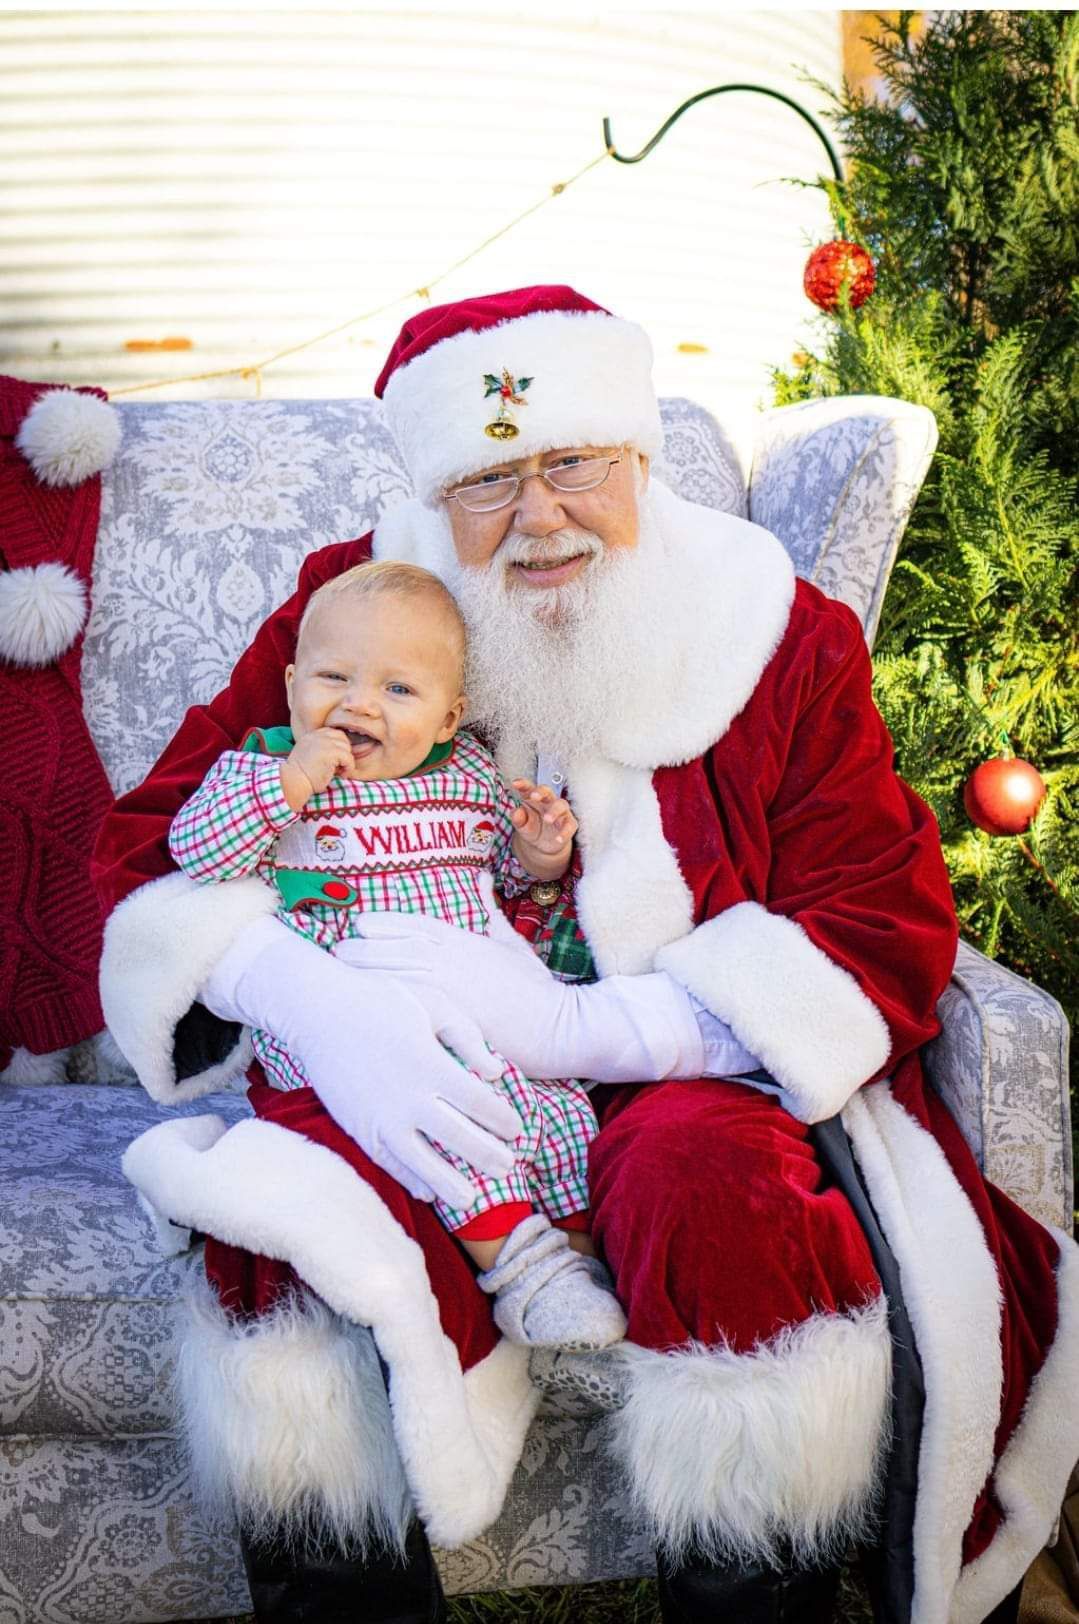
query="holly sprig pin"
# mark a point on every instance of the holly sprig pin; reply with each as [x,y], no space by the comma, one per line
[510,392]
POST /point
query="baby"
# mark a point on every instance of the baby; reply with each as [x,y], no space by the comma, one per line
[372,798]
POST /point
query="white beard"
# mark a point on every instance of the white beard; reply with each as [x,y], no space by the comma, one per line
[549,668]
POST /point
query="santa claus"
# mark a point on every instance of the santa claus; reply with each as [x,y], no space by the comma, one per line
[822,1347]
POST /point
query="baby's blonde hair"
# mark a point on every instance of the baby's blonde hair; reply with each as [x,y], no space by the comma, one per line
[387,578]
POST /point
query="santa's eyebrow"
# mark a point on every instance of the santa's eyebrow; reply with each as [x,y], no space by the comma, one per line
[510,470]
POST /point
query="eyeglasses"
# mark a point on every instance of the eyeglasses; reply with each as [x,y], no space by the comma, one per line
[489,494]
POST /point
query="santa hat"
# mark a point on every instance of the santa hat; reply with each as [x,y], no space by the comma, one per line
[469,385]
[54,793]
[53,444]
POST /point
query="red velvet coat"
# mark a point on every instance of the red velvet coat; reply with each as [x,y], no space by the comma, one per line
[747,833]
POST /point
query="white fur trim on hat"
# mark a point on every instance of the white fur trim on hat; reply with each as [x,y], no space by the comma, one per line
[66,436]
[591,384]
[42,609]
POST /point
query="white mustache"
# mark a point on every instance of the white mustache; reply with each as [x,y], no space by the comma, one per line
[559,545]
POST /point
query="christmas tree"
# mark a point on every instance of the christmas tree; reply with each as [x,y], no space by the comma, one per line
[963,184]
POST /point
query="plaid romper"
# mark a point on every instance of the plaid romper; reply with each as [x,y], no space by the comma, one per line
[412,845]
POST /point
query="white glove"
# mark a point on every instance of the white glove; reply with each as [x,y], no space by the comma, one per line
[373,1055]
[626,1029]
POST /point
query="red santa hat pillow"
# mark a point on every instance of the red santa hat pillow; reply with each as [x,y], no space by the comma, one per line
[52,444]
[470,385]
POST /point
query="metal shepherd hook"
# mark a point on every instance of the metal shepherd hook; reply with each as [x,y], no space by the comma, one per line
[719,90]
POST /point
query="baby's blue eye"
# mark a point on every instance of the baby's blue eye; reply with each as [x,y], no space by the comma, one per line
[398,688]
[333,676]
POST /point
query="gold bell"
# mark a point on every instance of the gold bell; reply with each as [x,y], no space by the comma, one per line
[502,429]
[545,892]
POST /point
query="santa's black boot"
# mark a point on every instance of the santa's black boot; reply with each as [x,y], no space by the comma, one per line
[331,1585]
[696,1591]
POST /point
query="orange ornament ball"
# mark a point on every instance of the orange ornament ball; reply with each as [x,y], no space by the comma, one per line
[834,263]
[1002,796]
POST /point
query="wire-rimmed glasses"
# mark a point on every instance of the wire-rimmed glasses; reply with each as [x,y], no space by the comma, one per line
[498,491]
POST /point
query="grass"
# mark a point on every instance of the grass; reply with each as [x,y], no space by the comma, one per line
[631,1601]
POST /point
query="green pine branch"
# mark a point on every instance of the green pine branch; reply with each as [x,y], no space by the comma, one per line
[963,182]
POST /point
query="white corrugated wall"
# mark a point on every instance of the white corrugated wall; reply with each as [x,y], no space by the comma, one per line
[244,180]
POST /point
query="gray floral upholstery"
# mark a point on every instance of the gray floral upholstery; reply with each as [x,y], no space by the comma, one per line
[835,480]
[1001,1064]
[96,1522]
[206,516]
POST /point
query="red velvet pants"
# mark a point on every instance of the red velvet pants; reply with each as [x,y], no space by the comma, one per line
[708,1203]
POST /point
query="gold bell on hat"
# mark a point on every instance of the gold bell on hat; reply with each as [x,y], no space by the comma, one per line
[510,392]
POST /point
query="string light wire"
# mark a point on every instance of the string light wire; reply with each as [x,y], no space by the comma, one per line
[255,369]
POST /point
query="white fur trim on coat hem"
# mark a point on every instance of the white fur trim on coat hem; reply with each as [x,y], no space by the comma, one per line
[160,944]
[287,1424]
[750,1456]
[952,1294]
[1031,1477]
[787,1001]
[271,1191]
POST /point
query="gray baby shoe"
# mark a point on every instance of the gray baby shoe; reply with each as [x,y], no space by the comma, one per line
[546,1295]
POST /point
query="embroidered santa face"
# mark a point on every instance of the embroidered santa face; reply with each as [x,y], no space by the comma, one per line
[330,845]
[481,837]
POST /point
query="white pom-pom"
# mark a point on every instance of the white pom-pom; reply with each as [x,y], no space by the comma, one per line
[37,1070]
[66,437]
[42,608]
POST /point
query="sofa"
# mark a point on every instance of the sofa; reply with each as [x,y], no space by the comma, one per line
[207,511]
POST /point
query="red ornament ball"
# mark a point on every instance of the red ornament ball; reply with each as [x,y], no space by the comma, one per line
[834,263]
[1002,796]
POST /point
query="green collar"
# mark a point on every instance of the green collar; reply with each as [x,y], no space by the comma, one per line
[278,741]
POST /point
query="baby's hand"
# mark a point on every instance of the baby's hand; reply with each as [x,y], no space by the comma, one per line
[312,762]
[545,827]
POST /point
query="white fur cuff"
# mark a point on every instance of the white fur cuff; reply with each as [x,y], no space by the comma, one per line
[160,944]
[745,1455]
[787,1001]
